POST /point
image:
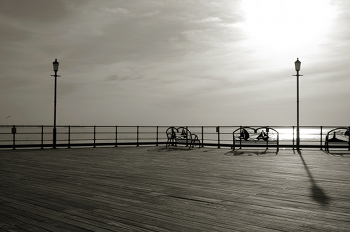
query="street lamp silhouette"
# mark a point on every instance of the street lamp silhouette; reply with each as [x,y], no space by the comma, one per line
[55,69]
[297,64]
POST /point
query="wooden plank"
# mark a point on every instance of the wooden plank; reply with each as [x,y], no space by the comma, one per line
[173,189]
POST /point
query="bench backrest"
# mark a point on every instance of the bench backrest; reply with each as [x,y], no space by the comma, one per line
[340,134]
[180,132]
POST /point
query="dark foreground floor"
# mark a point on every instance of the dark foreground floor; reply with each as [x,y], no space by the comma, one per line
[175,189]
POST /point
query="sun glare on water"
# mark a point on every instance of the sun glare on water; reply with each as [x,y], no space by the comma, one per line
[286,27]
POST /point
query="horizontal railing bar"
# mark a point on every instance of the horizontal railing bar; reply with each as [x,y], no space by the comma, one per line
[80,144]
[271,126]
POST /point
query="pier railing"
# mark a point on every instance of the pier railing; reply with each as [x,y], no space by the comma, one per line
[41,136]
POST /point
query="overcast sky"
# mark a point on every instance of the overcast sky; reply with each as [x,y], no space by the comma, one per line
[175,62]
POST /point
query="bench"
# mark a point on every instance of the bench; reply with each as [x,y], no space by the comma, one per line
[181,135]
[249,136]
[338,136]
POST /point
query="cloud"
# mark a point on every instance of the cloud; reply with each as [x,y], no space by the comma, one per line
[157,57]
[208,20]
[117,77]
[118,11]
[24,10]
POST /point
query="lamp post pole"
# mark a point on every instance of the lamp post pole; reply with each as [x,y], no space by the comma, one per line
[55,69]
[297,68]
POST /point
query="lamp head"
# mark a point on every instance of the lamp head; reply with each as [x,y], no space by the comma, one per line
[55,65]
[297,65]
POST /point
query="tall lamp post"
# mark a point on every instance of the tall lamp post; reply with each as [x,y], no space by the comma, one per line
[297,64]
[55,69]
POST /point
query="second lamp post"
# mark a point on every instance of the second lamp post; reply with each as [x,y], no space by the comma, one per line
[55,69]
[297,64]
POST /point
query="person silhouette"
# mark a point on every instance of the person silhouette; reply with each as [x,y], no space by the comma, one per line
[244,135]
[262,136]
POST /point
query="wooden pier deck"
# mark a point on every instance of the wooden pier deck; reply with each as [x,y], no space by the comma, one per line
[174,189]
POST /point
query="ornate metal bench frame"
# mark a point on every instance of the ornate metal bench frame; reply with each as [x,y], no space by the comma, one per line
[181,135]
[338,135]
[261,134]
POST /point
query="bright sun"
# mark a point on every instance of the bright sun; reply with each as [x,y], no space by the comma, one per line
[286,26]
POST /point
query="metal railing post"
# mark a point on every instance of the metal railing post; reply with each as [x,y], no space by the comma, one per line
[157,136]
[137,136]
[116,136]
[14,131]
[94,136]
[267,140]
[321,138]
[240,139]
[186,136]
[69,136]
[293,138]
[218,131]
[349,138]
[233,140]
[42,136]
[202,136]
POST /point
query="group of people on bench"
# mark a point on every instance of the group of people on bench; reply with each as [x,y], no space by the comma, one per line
[245,135]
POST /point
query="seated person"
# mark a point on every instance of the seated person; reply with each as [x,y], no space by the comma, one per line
[262,136]
[244,135]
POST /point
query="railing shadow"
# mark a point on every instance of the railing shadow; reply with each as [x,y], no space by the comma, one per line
[344,153]
[317,193]
[266,151]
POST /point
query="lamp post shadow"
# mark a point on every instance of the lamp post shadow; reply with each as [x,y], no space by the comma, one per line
[317,193]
